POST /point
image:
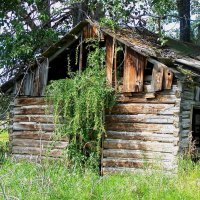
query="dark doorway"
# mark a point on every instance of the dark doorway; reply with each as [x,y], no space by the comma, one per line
[196,127]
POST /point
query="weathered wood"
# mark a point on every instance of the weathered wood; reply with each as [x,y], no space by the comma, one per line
[37,151]
[134,163]
[24,101]
[90,32]
[197,94]
[143,136]
[168,79]
[34,118]
[138,145]
[109,59]
[24,110]
[39,143]
[133,71]
[137,154]
[142,127]
[37,135]
[141,98]
[157,77]
[32,126]
[142,118]
[145,108]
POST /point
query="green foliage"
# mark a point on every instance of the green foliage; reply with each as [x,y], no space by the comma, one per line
[80,101]
[3,145]
[50,181]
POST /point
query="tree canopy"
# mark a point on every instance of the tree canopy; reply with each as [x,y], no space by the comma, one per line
[28,27]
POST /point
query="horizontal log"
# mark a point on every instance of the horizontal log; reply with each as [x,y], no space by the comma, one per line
[32,158]
[111,170]
[148,88]
[144,136]
[135,163]
[142,98]
[33,127]
[138,154]
[23,101]
[36,135]
[39,143]
[142,127]
[34,118]
[37,151]
[38,110]
[142,118]
[138,145]
[142,108]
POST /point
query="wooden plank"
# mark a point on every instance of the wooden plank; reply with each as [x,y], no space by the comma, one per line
[33,127]
[138,145]
[157,77]
[141,98]
[134,163]
[37,135]
[37,151]
[133,71]
[143,136]
[34,118]
[137,154]
[142,118]
[145,108]
[168,79]
[109,59]
[24,101]
[39,143]
[25,110]
[142,127]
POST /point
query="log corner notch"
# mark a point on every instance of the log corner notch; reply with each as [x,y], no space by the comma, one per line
[162,76]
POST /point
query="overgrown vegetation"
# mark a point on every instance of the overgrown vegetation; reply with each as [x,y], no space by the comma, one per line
[79,104]
[4,149]
[55,181]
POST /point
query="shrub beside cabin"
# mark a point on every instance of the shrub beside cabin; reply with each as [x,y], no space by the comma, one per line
[158,110]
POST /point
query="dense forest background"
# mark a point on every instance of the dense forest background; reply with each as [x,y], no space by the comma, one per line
[28,27]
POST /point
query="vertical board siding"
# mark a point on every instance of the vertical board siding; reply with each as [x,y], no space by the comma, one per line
[109,59]
[134,65]
[142,133]
[32,129]
[34,81]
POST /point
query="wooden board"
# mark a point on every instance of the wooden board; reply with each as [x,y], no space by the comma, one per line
[36,135]
[133,71]
[141,136]
[39,143]
[142,127]
[37,151]
[137,154]
[24,101]
[145,108]
[139,145]
[34,118]
[168,79]
[109,59]
[32,126]
[142,118]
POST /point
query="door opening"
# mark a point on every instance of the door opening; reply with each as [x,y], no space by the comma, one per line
[196,127]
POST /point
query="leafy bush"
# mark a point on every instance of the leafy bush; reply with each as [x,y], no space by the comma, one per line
[79,105]
[3,145]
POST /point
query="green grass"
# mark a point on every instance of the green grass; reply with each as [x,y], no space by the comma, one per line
[3,135]
[33,181]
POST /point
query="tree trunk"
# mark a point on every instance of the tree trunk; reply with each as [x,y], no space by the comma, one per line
[184,14]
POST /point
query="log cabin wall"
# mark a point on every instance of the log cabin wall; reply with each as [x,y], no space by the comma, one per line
[143,128]
[32,130]
[142,132]
[190,99]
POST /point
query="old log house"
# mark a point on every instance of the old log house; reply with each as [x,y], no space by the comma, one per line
[158,111]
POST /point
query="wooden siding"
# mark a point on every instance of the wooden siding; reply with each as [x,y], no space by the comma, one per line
[34,81]
[188,102]
[142,132]
[32,130]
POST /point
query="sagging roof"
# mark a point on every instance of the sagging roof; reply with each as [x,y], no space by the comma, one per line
[139,39]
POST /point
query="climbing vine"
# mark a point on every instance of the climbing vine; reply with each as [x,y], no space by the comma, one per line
[79,104]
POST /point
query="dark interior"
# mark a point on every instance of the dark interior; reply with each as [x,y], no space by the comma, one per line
[196,126]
